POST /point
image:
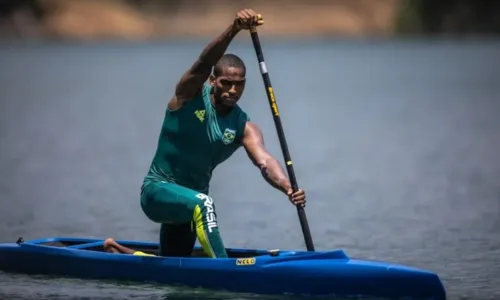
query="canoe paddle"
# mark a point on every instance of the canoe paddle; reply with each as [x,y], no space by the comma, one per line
[281,134]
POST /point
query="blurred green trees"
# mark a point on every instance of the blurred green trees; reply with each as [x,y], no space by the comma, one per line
[448,17]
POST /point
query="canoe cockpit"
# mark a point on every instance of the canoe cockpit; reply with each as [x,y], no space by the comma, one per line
[146,247]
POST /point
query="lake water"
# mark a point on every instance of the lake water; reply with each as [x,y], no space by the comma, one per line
[396,143]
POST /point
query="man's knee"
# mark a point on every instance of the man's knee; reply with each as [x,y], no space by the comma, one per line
[165,202]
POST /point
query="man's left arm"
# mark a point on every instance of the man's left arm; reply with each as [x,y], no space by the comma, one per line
[271,170]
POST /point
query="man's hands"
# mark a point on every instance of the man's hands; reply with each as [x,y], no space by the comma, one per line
[246,19]
[298,198]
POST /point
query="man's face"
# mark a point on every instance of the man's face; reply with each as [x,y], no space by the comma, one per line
[229,86]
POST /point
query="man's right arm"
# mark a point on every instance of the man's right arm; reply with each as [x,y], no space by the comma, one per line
[192,81]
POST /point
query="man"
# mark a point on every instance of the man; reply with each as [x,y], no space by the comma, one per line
[203,127]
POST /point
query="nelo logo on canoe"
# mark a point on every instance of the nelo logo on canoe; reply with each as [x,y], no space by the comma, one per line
[245,261]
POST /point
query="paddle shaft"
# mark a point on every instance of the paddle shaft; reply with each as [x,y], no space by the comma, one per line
[281,135]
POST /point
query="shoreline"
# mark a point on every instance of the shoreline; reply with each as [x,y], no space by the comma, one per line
[95,20]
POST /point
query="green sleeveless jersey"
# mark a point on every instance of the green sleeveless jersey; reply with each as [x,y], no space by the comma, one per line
[193,141]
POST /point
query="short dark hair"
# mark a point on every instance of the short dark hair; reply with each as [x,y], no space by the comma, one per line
[227,61]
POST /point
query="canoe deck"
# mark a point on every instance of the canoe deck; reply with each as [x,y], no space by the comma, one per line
[97,245]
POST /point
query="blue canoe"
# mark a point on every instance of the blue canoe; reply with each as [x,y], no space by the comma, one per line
[330,273]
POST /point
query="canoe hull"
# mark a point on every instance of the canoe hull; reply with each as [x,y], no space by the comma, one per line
[247,271]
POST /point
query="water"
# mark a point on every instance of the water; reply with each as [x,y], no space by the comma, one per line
[395,143]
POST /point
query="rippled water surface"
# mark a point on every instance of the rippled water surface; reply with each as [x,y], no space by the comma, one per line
[396,144]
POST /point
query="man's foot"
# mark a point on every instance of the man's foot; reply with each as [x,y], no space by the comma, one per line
[110,245]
